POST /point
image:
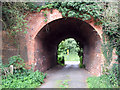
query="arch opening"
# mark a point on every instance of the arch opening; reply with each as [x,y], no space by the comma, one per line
[49,37]
[69,52]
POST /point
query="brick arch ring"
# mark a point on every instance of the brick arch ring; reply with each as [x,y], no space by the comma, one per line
[43,38]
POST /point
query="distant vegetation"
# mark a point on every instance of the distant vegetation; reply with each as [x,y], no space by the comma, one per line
[69,50]
[104,13]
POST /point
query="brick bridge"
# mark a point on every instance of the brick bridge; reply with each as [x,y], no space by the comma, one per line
[40,44]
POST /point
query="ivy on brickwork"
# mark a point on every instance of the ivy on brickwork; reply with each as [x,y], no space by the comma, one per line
[82,10]
[104,14]
[14,23]
[13,14]
[111,29]
[111,32]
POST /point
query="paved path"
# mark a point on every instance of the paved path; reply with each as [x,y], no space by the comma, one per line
[69,76]
[72,62]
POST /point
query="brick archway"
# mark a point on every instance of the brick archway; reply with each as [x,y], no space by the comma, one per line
[41,45]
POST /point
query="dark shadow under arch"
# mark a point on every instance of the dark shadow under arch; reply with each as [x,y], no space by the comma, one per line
[54,32]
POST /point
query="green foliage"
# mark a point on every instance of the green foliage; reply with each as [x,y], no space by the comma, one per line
[104,14]
[16,61]
[113,75]
[13,14]
[72,57]
[21,77]
[107,52]
[71,14]
[69,44]
[45,20]
[81,65]
[81,59]
[112,35]
[24,80]
[45,15]
[75,53]
[64,84]
[0,62]
[100,13]
[83,10]
[108,80]
[60,60]
[99,82]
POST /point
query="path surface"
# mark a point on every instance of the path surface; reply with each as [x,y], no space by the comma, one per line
[69,76]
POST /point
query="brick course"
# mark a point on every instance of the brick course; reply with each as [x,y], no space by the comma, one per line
[41,42]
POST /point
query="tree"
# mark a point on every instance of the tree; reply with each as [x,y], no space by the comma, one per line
[68,44]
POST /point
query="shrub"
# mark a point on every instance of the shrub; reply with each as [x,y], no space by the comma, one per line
[81,65]
[99,82]
[110,80]
[24,80]
[61,60]
[21,77]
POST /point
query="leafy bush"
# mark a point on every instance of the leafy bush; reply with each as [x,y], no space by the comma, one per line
[13,14]
[21,77]
[110,80]
[103,13]
[113,75]
[16,61]
[61,60]
[68,44]
[68,47]
[82,65]
[25,80]
[99,82]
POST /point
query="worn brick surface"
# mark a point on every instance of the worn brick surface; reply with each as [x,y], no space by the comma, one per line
[40,44]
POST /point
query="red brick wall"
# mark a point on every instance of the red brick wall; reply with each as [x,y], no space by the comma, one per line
[37,50]
[41,48]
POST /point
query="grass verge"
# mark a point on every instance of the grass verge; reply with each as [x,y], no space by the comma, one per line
[99,82]
[71,57]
